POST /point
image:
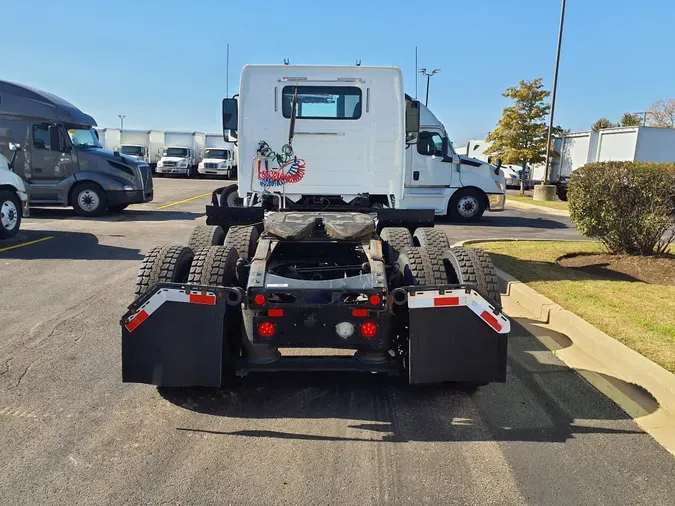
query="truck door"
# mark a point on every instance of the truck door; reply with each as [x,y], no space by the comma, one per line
[49,165]
[429,173]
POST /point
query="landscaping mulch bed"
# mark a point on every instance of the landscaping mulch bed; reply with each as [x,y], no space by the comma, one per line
[657,270]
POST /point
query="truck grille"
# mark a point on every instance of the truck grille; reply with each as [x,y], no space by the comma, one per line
[170,164]
[210,165]
[146,176]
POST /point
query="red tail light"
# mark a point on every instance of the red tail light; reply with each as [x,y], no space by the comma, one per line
[275,312]
[368,329]
[359,313]
[375,300]
[266,329]
[259,299]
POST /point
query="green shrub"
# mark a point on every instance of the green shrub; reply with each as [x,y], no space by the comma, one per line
[626,205]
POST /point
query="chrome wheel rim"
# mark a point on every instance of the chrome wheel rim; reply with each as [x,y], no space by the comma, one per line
[467,206]
[9,216]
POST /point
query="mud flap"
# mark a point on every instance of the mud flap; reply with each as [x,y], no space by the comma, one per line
[172,335]
[455,335]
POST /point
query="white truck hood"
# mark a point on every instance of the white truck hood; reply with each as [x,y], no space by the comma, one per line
[214,160]
[174,158]
[7,177]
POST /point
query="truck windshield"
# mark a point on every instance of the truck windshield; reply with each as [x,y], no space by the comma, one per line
[131,150]
[179,152]
[217,153]
[83,137]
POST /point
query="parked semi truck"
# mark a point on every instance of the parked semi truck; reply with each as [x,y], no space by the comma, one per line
[61,160]
[181,154]
[142,145]
[13,196]
[219,157]
[433,175]
[375,279]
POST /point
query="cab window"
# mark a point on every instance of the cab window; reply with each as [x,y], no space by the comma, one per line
[322,102]
[41,136]
[430,144]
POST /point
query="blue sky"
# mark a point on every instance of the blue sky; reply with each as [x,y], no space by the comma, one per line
[162,63]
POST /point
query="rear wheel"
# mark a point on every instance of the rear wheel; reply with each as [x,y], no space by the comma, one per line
[10,214]
[474,266]
[214,266]
[244,240]
[429,237]
[395,239]
[204,236]
[421,266]
[164,264]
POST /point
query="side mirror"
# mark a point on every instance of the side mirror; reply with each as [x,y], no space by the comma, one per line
[14,147]
[498,166]
[230,115]
[446,150]
[412,120]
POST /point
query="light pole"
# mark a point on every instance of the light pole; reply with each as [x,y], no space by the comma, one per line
[555,85]
[121,117]
[428,74]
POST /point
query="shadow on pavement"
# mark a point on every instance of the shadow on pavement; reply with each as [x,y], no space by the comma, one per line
[130,214]
[509,221]
[64,245]
[541,402]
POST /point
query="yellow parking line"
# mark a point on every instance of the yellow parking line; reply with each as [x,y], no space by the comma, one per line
[26,243]
[186,200]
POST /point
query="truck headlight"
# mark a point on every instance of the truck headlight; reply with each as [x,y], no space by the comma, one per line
[222,165]
[201,165]
[500,186]
[182,163]
[159,163]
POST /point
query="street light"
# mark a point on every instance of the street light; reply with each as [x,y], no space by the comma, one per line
[428,74]
[555,85]
[121,117]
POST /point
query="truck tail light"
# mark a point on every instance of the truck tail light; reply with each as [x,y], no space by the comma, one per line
[368,329]
[259,299]
[266,329]
[375,300]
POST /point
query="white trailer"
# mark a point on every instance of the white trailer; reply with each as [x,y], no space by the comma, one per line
[350,144]
[181,153]
[143,145]
[219,157]
[109,138]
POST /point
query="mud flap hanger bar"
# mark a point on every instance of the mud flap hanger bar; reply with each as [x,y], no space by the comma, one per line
[458,296]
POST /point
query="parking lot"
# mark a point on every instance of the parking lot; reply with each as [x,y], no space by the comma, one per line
[72,433]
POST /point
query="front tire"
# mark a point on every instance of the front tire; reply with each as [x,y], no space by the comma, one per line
[230,198]
[467,205]
[10,214]
[89,199]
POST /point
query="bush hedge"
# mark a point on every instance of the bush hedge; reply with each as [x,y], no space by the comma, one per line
[626,205]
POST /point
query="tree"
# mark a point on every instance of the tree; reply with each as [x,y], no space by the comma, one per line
[602,123]
[630,119]
[521,134]
[662,113]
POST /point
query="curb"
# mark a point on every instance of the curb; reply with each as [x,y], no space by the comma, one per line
[644,390]
[532,207]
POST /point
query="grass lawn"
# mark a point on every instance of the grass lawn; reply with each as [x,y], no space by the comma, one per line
[640,315]
[558,204]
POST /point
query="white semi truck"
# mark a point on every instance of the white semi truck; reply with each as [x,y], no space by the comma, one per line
[144,145]
[13,196]
[182,153]
[349,145]
[219,157]
[345,269]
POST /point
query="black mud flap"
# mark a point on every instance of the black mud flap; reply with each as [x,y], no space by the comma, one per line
[172,336]
[455,335]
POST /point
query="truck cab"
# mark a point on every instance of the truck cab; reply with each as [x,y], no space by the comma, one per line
[134,151]
[61,160]
[438,178]
[13,197]
[218,161]
[176,160]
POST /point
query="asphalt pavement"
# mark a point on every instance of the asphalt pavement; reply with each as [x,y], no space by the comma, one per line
[72,433]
